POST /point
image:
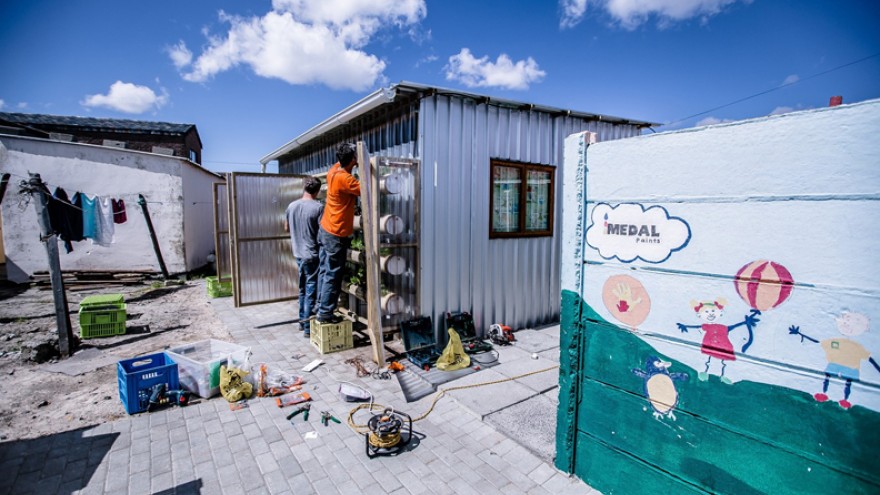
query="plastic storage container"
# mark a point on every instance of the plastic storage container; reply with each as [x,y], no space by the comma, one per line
[331,337]
[138,376]
[102,316]
[199,364]
[217,288]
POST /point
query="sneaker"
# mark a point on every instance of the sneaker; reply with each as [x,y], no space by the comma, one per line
[820,397]
[844,403]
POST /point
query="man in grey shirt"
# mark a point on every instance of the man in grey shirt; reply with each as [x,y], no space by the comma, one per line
[301,219]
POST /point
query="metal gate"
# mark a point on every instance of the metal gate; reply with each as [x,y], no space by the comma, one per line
[261,261]
[222,245]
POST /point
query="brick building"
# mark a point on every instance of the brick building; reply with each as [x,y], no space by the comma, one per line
[181,140]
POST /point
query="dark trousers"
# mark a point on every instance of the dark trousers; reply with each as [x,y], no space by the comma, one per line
[308,289]
[333,251]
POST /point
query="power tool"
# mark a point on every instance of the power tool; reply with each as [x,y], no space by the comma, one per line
[161,396]
[501,334]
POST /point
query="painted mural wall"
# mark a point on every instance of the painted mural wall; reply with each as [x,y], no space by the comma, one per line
[720,289]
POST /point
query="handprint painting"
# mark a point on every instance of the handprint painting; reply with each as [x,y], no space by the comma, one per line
[627,300]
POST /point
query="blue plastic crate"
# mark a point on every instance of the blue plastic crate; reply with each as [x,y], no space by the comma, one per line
[138,376]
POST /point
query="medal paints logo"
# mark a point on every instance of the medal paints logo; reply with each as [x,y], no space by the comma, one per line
[629,231]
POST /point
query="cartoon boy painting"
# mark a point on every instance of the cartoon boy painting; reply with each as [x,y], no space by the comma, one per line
[716,342]
[844,356]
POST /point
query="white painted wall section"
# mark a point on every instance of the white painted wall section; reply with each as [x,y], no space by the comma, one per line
[801,190]
[102,171]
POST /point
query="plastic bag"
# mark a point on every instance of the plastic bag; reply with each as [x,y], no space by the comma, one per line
[233,385]
[271,382]
[453,356]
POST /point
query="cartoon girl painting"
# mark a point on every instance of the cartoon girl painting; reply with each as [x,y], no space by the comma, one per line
[716,342]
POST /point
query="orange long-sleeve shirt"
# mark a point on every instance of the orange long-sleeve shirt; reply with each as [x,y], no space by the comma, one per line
[342,192]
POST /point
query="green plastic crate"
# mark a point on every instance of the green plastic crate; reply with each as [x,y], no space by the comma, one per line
[219,289]
[101,322]
[103,301]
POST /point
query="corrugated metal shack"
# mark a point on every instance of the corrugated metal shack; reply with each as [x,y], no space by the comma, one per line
[467,145]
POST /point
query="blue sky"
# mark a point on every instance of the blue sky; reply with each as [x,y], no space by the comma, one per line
[254,74]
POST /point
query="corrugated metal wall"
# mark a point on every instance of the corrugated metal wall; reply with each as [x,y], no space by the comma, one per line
[512,281]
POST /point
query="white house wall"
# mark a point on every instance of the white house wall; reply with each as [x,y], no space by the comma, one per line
[198,214]
[101,171]
[737,265]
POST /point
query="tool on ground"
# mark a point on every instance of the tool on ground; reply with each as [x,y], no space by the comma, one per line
[390,431]
[377,442]
[394,367]
[237,406]
[463,323]
[350,392]
[326,417]
[302,409]
[161,396]
[314,364]
[501,334]
[419,342]
[292,399]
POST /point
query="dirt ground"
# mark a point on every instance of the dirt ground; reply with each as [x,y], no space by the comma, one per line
[37,400]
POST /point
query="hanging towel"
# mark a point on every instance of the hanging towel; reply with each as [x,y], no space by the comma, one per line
[90,216]
[65,219]
[119,211]
[104,212]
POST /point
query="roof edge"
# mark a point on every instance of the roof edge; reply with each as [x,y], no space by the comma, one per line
[373,100]
[388,95]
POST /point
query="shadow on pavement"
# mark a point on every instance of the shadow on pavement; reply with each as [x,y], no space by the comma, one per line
[59,463]
[191,487]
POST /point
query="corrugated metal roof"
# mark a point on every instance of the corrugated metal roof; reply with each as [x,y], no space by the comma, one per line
[385,96]
[97,124]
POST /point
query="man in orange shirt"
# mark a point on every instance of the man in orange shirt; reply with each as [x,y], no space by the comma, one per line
[337,226]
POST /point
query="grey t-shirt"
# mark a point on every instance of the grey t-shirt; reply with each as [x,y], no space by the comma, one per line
[303,218]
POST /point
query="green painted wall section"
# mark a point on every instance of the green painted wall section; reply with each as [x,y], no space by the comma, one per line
[745,438]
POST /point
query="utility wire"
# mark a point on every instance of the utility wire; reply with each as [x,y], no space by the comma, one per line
[774,89]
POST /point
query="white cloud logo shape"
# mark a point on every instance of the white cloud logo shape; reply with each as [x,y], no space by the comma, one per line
[629,232]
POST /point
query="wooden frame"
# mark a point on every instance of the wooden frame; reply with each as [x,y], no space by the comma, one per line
[524,169]
[370,209]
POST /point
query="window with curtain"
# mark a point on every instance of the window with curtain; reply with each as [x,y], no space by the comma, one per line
[521,200]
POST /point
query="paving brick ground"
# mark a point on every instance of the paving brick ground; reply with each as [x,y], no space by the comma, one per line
[207,448]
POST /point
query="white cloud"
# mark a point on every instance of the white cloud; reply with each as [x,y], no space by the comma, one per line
[630,14]
[791,80]
[2,103]
[572,12]
[22,105]
[180,55]
[308,42]
[712,121]
[426,60]
[503,73]
[781,110]
[128,98]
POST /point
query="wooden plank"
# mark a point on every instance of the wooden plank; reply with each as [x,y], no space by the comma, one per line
[370,209]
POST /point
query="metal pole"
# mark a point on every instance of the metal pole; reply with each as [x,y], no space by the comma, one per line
[143,204]
[66,343]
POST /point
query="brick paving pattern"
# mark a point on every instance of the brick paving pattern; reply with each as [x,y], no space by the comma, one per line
[206,448]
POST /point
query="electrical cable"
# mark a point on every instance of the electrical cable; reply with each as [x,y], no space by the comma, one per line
[363,429]
[772,89]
